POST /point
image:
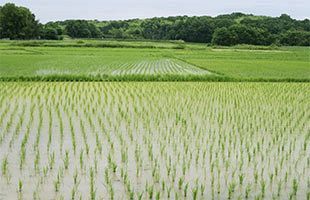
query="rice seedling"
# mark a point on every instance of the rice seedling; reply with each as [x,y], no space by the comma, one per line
[51,161]
[35,195]
[81,159]
[73,193]
[150,191]
[20,186]
[202,189]
[37,162]
[66,160]
[157,197]
[263,188]
[185,190]
[231,190]
[140,196]
[4,166]
[247,191]
[57,184]
[295,188]
[195,193]
[92,185]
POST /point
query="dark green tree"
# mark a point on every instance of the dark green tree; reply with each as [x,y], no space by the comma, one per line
[51,31]
[82,29]
[223,36]
[296,38]
[49,34]
[18,23]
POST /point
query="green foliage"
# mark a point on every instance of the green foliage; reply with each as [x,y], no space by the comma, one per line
[241,34]
[17,23]
[236,28]
[50,34]
[82,29]
[296,38]
[222,36]
[51,31]
[230,29]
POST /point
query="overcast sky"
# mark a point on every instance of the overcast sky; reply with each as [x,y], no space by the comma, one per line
[52,10]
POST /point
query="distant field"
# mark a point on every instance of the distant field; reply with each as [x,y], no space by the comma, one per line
[154,140]
[97,60]
[282,63]
[91,62]
[44,61]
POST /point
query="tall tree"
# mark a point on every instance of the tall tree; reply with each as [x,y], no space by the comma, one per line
[296,38]
[222,36]
[82,29]
[18,23]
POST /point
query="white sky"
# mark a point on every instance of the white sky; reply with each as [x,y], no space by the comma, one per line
[52,10]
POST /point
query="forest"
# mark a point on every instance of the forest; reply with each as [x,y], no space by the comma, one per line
[230,29]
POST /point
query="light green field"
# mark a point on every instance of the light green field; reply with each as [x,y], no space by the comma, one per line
[99,140]
[284,63]
[88,60]
[43,61]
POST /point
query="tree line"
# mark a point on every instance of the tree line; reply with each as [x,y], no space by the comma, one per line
[231,29]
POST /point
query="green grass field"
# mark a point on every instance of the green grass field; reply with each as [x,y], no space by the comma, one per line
[284,63]
[132,60]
